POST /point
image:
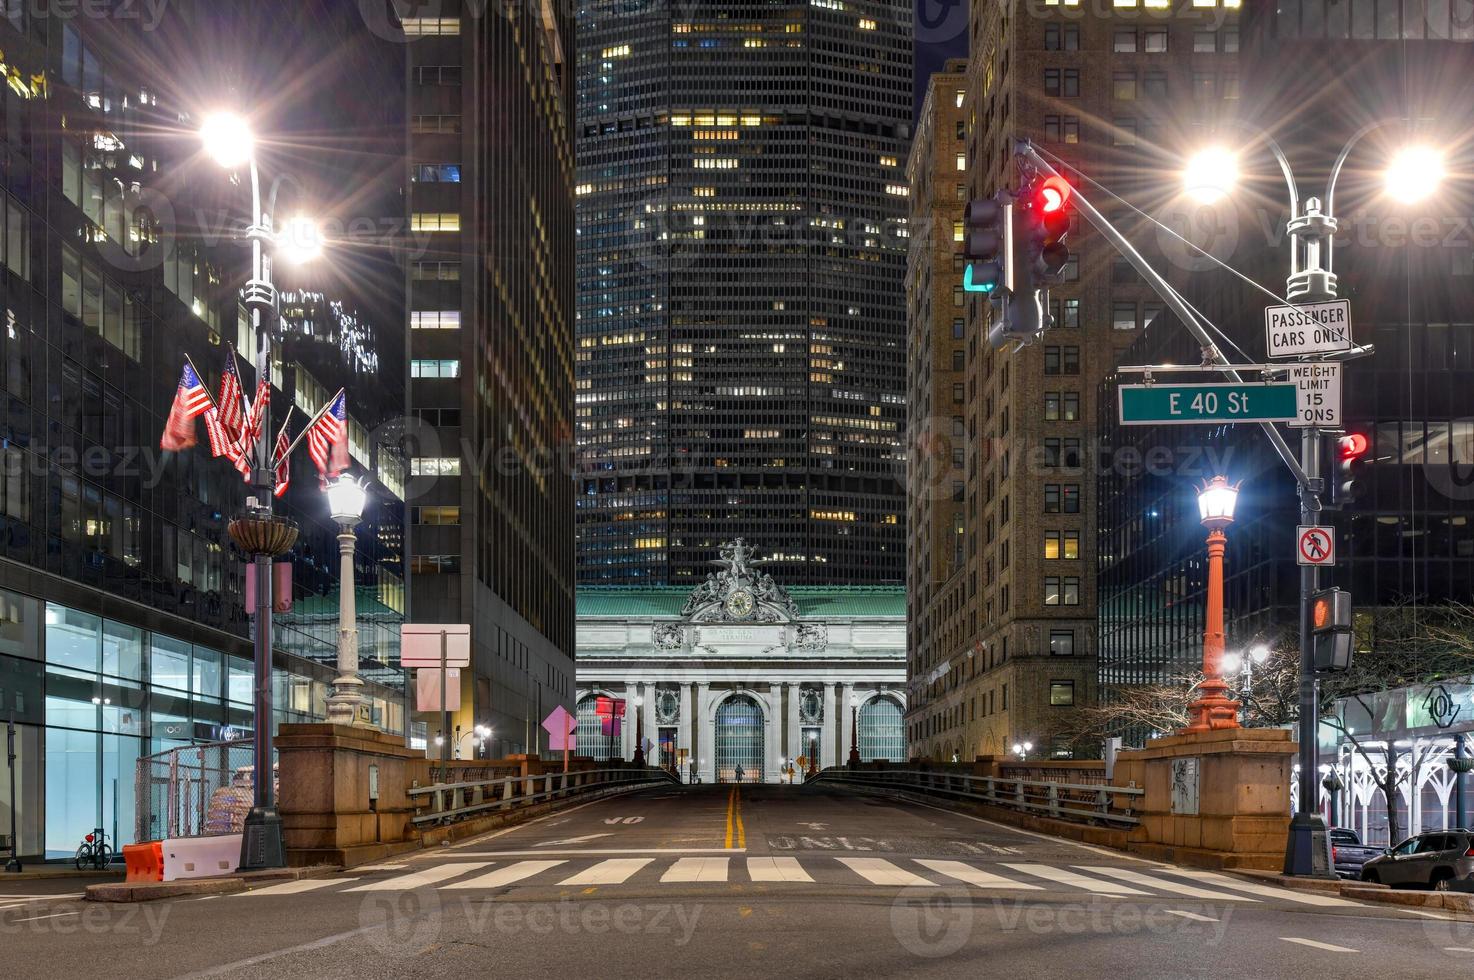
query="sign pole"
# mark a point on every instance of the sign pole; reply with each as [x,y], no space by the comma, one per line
[13,865]
[444,710]
[566,732]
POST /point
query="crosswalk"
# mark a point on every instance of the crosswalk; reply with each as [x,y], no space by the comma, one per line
[1106,881]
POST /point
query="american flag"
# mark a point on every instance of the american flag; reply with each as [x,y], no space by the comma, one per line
[222,443]
[327,438]
[283,466]
[231,396]
[251,431]
[191,399]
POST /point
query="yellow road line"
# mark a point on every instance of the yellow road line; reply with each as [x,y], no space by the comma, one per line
[731,805]
[741,829]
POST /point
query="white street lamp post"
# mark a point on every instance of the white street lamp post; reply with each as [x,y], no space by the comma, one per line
[346,499]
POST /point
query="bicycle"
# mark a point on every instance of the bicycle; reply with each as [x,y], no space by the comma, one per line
[94,851]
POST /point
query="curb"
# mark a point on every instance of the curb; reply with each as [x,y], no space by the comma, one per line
[1365,891]
[151,891]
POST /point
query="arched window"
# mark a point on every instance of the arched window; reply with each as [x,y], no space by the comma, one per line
[739,739]
[591,740]
[881,735]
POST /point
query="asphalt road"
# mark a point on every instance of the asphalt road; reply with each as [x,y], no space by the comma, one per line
[708,881]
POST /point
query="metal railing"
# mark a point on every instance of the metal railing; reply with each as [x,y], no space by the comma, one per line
[443,803]
[1062,801]
[200,790]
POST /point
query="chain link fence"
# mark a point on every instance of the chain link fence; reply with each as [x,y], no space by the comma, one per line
[199,790]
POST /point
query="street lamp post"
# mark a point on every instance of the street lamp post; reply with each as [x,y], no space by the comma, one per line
[346,499]
[1213,708]
[813,757]
[228,139]
[639,732]
[854,759]
[1242,666]
[1413,175]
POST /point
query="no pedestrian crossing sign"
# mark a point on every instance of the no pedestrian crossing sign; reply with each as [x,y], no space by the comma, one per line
[1315,545]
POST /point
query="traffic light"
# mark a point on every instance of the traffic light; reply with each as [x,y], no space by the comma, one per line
[1348,468]
[1051,205]
[1330,629]
[987,243]
[1040,219]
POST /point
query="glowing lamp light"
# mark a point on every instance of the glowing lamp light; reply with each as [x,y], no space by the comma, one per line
[1415,173]
[346,499]
[1259,654]
[1054,194]
[227,138]
[1210,175]
[300,240]
[1216,502]
[1231,663]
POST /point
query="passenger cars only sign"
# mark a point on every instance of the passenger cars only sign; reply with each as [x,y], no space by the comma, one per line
[1317,328]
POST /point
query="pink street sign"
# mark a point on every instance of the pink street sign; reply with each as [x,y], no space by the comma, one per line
[560,725]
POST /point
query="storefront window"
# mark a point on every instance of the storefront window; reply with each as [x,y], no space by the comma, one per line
[72,639]
[122,652]
[241,681]
[20,617]
[207,674]
[168,664]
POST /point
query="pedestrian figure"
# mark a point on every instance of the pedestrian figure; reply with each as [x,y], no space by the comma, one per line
[739,774]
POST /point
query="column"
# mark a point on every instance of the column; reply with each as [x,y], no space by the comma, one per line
[627,726]
[793,741]
[684,732]
[704,741]
[826,732]
[652,728]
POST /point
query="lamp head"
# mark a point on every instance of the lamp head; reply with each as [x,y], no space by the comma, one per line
[1216,502]
[346,499]
[300,240]
[228,139]
[1415,173]
[1259,653]
[1230,663]
[1211,174]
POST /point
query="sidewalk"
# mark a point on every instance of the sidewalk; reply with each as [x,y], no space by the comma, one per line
[40,872]
[1365,891]
[149,891]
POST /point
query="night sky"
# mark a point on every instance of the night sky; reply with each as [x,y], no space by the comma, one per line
[941,33]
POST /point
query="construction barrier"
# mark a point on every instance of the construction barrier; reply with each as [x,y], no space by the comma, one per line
[201,857]
[145,862]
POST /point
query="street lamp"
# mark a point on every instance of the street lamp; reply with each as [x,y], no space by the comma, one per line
[227,138]
[854,758]
[346,499]
[1210,175]
[1415,173]
[1242,665]
[813,757]
[1213,708]
[300,240]
[1022,749]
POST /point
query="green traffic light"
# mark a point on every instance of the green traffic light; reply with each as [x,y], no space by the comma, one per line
[969,286]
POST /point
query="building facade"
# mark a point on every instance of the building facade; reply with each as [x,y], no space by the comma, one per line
[1007,647]
[121,596]
[741,215]
[741,671]
[490,201]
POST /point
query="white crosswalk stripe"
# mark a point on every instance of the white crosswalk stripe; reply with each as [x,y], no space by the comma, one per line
[1165,884]
[510,874]
[776,869]
[297,887]
[1064,876]
[1284,894]
[430,876]
[615,871]
[697,869]
[881,872]
[975,876]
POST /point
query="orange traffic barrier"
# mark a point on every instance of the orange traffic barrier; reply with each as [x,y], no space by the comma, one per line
[145,861]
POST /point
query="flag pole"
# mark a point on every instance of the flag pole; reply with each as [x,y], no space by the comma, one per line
[308,428]
[197,374]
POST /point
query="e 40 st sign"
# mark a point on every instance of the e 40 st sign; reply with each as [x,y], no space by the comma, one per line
[1206,403]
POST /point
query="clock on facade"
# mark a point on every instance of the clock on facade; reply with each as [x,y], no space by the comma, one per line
[739,604]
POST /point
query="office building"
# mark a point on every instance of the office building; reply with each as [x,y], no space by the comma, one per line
[742,230]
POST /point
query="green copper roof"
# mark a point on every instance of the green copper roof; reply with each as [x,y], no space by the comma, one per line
[638,602]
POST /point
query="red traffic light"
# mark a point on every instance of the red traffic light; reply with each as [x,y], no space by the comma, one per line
[1054,194]
[1354,445]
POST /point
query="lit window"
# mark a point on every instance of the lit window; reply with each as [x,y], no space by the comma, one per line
[1062,693]
[435,320]
[434,368]
[431,26]
[866,24]
[438,173]
[962,161]
[431,221]
[435,466]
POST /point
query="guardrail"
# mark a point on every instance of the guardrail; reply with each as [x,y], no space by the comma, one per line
[443,803]
[1062,801]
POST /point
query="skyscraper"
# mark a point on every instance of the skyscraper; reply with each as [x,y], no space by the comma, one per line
[491,365]
[741,318]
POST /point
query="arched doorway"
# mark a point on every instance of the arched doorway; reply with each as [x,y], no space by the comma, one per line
[739,739]
[881,735]
[590,739]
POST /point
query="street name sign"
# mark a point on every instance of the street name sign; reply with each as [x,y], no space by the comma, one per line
[1317,395]
[1207,403]
[424,644]
[1315,545]
[1316,328]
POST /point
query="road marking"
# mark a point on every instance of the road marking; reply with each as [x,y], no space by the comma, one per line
[614,871]
[39,898]
[1284,894]
[429,876]
[881,872]
[297,887]
[1194,916]
[572,840]
[507,875]
[1103,852]
[731,802]
[1064,876]
[975,876]
[590,851]
[697,869]
[1165,884]
[482,838]
[1313,944]
[776,869]
[380,867]
[53,915]
[1457,949]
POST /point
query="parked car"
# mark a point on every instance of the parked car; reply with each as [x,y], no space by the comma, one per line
[1348,853]
[1435,860]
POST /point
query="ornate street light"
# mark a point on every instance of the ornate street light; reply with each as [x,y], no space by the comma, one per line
[1213,708]
[346,499]
[854,758]
[639,732]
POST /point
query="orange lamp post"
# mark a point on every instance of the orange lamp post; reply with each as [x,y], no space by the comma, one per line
[1214,708]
